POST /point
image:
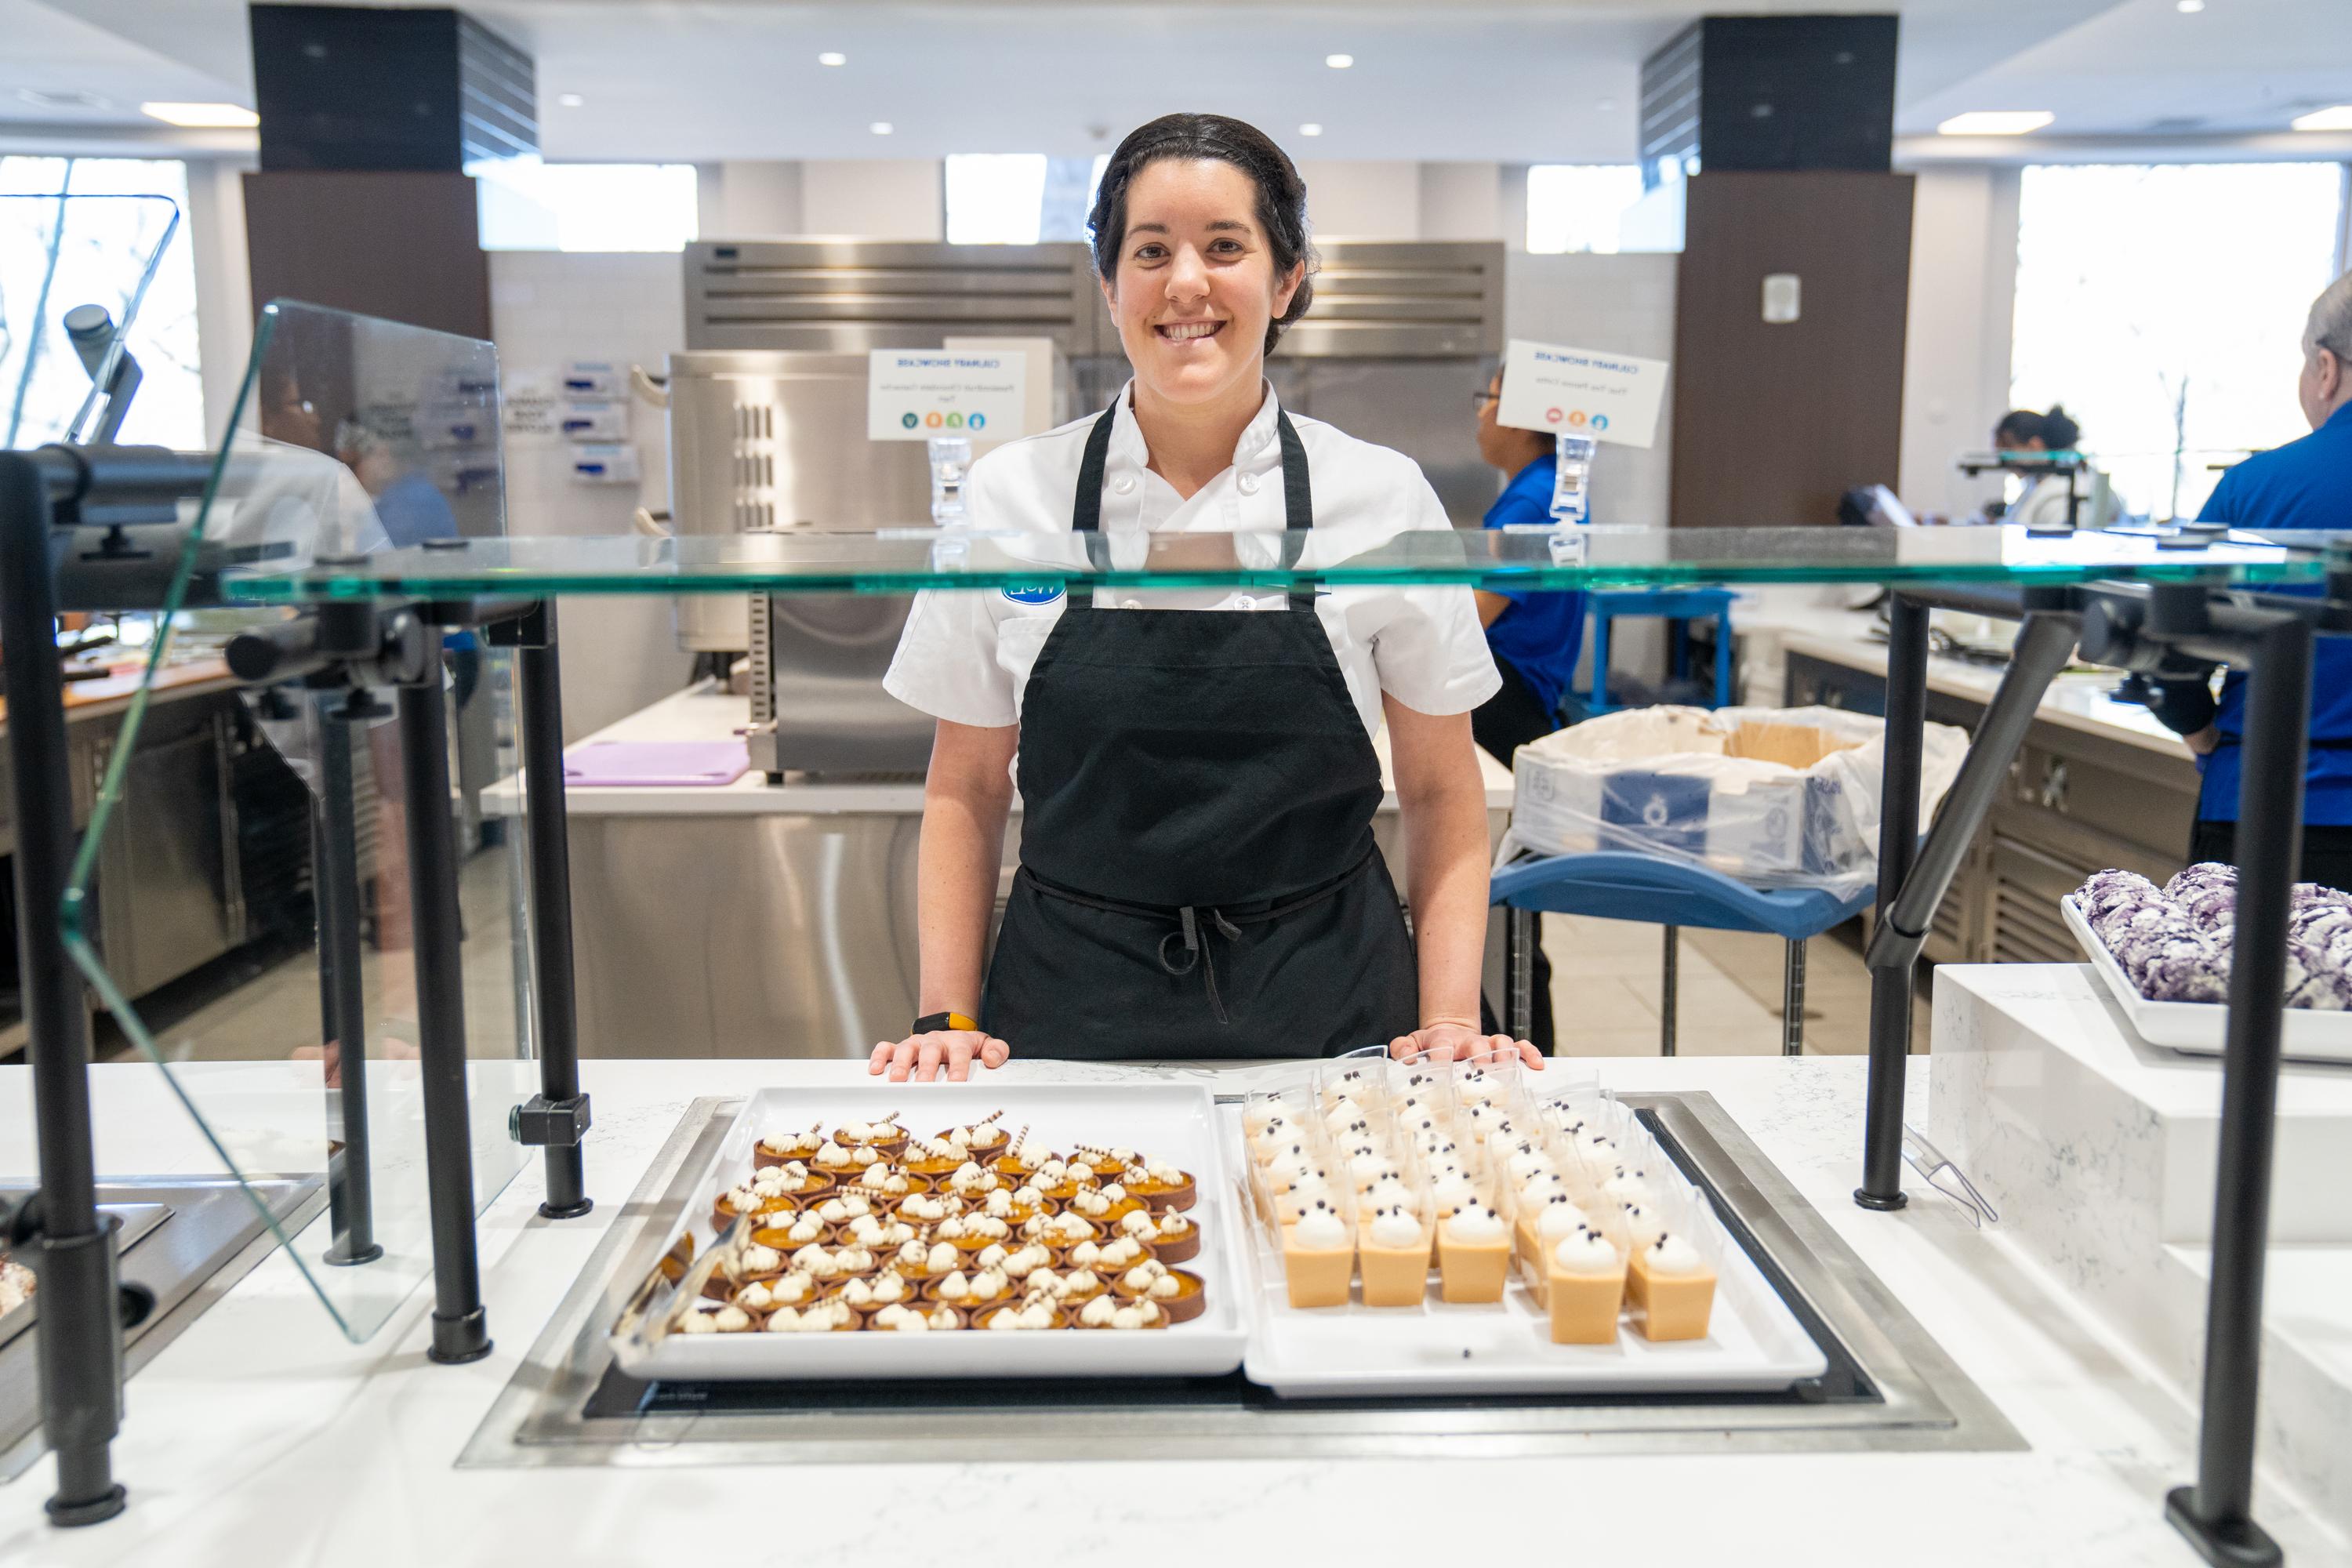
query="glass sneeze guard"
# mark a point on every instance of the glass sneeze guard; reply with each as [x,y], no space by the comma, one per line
[904,561]
[349,435]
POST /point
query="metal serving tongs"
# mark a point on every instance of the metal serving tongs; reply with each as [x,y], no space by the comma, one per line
[1939,1173]
[679,1269]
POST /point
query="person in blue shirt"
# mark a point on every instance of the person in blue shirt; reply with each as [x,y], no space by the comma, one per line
[2307,484]
[1533,636]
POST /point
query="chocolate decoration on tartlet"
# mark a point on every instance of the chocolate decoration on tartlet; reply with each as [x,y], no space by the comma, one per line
[987,1140]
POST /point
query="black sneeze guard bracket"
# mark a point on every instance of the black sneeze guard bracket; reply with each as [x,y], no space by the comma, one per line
[2134,626]
[556,1119]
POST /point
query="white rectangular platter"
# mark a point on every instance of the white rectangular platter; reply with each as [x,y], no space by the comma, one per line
[1754,1342]
[1170,1121]
[2303,1034]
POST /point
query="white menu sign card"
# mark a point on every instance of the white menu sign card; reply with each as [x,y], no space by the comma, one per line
[913,395]
[1581,392]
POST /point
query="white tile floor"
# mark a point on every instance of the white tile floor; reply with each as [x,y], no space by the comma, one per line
[1606,992]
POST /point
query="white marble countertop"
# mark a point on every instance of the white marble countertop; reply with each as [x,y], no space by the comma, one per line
[260,1436]
[701,713]
[2078,701]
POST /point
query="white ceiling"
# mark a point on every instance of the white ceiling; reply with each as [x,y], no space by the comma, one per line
[1536,81]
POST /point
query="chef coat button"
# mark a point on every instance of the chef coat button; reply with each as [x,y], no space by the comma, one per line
[1249,484]
[1124,484]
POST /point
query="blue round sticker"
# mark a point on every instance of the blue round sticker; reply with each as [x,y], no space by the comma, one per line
[1042,595]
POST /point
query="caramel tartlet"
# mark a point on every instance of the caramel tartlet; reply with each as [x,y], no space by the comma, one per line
[884,1137]
[1151,1281]
[1176,1237]
[983,1141]
[914,1319]
[1161,1186]
[784,1148]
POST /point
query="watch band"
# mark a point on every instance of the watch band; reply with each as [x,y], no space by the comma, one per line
[931,1022]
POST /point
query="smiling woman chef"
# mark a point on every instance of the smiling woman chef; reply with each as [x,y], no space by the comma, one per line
[1197,777]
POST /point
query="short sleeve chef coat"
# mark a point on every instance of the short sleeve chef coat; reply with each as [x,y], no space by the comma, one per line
[965,655]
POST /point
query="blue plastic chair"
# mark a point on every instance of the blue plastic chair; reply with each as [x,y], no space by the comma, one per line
[1624,885]
[1681,605]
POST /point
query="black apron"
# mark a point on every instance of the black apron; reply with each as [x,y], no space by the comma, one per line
[1198,876]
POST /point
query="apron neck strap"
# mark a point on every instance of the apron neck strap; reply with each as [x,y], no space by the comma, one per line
[1297,499]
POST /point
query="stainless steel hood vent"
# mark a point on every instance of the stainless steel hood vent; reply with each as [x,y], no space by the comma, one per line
[845,295]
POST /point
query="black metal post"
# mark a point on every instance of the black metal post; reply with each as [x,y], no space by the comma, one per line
[335,885]
[565,1109]
[1518,970]
[460,1328]
[1669,989]
[2216,1514]
[1792,1000]
[1898,841]
[80,1330]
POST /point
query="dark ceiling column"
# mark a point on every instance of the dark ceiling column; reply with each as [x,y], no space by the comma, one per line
[1788,122]
[368,118]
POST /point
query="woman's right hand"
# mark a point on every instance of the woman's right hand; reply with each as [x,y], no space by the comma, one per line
[920,1058]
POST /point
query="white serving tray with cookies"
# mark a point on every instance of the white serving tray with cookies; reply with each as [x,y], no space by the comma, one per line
[1174,1122]
[1753,1344]
[2304,1034]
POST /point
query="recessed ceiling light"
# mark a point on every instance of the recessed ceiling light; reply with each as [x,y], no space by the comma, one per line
[2189,7]
[2337,119]
[833,58]
[213,116]
[1996,123]
[881,128]
[570,99]
[1310,129]
[1338,62]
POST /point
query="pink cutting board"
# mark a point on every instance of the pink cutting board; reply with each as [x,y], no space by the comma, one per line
[655,762]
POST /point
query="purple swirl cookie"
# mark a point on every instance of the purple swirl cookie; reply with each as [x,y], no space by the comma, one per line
[2107,891]
[2181,966]
[2315,981]
[2204,874]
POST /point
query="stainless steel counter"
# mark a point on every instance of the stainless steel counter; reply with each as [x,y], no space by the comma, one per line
[758,919]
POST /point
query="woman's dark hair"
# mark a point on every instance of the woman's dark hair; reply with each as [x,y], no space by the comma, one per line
[2055,431]
[1281,193]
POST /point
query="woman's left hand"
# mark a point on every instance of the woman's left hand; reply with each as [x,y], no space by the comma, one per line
[1446,1041]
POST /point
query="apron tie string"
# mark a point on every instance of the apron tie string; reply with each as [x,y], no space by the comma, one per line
[1196,952]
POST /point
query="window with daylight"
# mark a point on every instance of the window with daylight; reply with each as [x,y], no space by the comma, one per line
[1019,198]
[530,205]
[2163,305]
[69,238]
[1580,207]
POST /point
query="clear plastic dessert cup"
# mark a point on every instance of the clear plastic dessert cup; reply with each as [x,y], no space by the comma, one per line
[1473,1253]
[1583,1288]
[1395,1233]
[1319,1252]
[1670,1283]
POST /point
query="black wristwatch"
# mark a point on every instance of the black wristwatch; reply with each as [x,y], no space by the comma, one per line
[930,1023]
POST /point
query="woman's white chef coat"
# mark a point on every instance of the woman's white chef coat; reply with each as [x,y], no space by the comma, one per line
[965,655]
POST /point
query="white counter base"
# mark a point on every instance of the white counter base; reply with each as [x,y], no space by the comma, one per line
[2100,1152]
[259,1437]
